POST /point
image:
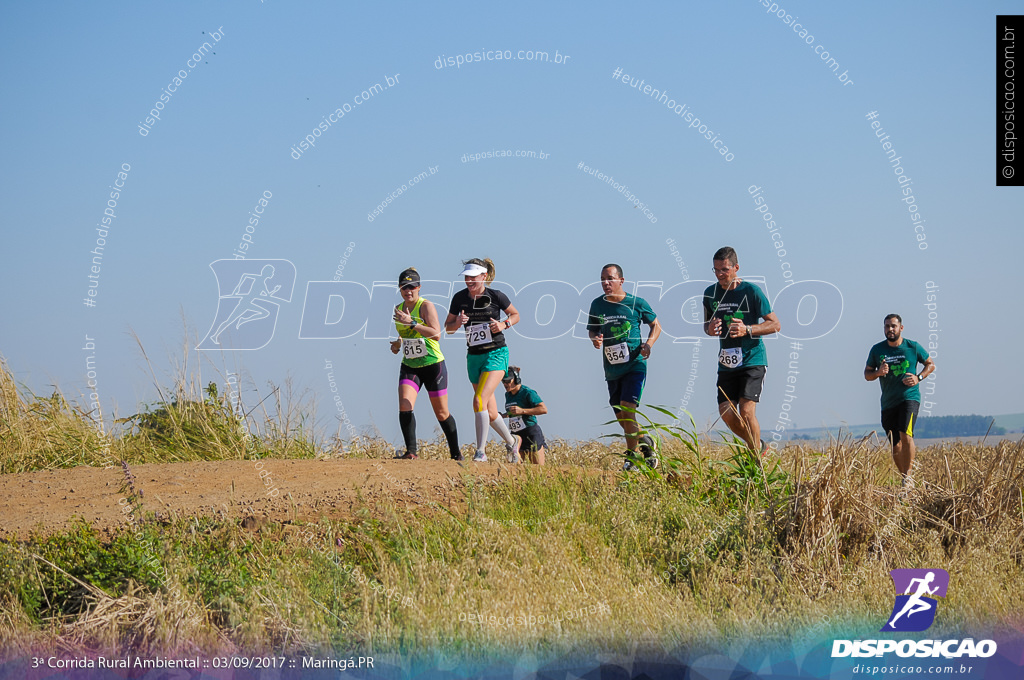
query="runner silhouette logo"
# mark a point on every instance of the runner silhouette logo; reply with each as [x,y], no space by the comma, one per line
[915,609]
[251,293]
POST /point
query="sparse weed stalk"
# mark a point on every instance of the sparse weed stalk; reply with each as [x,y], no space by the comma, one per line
[671,466]
[748,473]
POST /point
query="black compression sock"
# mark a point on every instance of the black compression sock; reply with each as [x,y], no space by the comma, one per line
[407,419]
[451,434]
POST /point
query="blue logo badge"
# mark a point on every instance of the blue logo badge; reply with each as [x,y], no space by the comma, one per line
[914,610]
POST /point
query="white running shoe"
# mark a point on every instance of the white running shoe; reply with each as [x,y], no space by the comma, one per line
[480,457]
[513,451]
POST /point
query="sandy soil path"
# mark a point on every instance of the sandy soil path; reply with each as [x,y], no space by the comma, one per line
[50,501]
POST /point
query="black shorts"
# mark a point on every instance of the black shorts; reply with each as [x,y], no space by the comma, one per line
[434,377]
[900,419]
[741,383]
[629,388]
[533,439]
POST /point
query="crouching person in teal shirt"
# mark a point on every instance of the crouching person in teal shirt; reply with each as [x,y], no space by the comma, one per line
[522,406]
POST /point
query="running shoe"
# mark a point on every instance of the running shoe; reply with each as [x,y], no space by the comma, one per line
[459,457]
[646,445]
[480,457]
[649,448]
[513,450]
[408,455]
[629,465]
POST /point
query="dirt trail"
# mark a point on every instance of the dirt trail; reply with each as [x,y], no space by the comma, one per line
[49,501]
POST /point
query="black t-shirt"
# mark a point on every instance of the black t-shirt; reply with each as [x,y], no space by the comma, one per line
[481,311]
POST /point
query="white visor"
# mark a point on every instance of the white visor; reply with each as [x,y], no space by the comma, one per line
[473,270]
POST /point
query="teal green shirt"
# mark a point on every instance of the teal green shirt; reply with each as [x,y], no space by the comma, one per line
[619,322]
[748,303]
[525,398]
[902,360]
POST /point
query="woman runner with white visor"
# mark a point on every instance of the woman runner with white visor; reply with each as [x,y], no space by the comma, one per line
[479,309]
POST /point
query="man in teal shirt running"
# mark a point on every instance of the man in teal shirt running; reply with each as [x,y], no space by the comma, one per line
[738,313]
[614,327]
[894,362]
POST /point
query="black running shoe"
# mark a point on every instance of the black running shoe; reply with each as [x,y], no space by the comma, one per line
[649,448]
[408,455]
[629,465]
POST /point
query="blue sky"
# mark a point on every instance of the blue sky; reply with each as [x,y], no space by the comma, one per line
[78,82]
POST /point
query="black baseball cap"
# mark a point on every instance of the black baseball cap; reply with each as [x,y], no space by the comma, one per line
[410,278]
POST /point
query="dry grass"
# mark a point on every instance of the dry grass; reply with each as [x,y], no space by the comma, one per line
[44,432]
[605,560]
[189,423]
[722,547]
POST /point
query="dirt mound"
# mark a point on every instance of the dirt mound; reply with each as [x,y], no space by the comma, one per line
[279,490]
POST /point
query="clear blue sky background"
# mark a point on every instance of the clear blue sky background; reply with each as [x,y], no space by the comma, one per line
[78,80]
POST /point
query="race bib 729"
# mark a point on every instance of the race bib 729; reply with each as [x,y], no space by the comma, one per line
[479,334]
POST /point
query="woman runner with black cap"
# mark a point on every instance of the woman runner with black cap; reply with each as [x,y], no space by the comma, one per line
[422,364]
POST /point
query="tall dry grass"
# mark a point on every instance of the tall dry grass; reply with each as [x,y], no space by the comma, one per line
[552,559]
[44,432]
[573,554]
[192,421]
